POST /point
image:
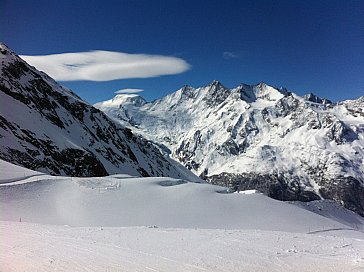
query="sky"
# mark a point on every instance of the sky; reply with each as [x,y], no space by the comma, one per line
[156,47]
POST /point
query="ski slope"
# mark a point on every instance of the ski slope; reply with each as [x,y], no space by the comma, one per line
[32,247]
[125,223]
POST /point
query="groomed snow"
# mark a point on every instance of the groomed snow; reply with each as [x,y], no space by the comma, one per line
[32,247]
[125,223]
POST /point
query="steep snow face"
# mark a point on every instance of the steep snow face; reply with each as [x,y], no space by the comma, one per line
[46,127]
[259,137]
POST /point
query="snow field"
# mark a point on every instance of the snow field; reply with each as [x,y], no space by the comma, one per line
[125,223]
[33,247]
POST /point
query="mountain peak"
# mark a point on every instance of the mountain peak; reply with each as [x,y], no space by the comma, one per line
[216,93]
[263,84]
[186,86]
[216,83]
[250,93]
[121,99]
[3,46]
[316,99]
[5,50]
[187,91]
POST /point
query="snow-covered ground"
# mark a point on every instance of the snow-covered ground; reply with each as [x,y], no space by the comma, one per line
[32,247]
[124,223]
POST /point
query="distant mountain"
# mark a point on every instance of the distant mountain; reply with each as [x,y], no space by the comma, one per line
[257,137]
[46,127]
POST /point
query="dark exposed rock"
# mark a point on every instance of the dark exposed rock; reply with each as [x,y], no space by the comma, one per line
[314,98]
[217,94]
[272,185]
[348,191]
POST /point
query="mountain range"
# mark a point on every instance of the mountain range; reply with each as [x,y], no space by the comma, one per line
[287,146]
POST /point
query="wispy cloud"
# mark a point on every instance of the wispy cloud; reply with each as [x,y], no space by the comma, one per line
[106,65]
[129,91]
[230,55]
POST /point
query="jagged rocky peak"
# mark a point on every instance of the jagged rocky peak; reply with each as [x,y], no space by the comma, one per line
[216,93]
[216,83]
[267,92]
[250,93]
[4,48]
[216,87]
[315,99]
[187,91]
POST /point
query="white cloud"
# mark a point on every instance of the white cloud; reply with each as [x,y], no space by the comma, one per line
[106,65]
[230,55]
[129,91]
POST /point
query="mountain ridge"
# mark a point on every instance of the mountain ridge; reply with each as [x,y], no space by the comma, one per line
[48,128]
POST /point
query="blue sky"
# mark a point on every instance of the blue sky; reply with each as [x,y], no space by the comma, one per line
[305,46]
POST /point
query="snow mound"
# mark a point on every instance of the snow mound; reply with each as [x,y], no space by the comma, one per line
[123,200]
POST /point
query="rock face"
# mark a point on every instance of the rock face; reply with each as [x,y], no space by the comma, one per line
[46,127]
[257,137]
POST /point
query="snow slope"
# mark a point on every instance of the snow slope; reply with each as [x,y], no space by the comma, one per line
[33,247]
[16,174]
[125,223]
[257,137]
[123,200]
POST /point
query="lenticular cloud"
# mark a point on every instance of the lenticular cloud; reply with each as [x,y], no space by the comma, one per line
[106,65]
[129,91]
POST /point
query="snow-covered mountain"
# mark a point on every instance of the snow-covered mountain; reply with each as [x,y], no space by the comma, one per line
[257,137]
[46,127]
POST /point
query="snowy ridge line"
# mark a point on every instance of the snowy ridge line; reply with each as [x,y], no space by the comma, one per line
[331,230]
[19,181]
